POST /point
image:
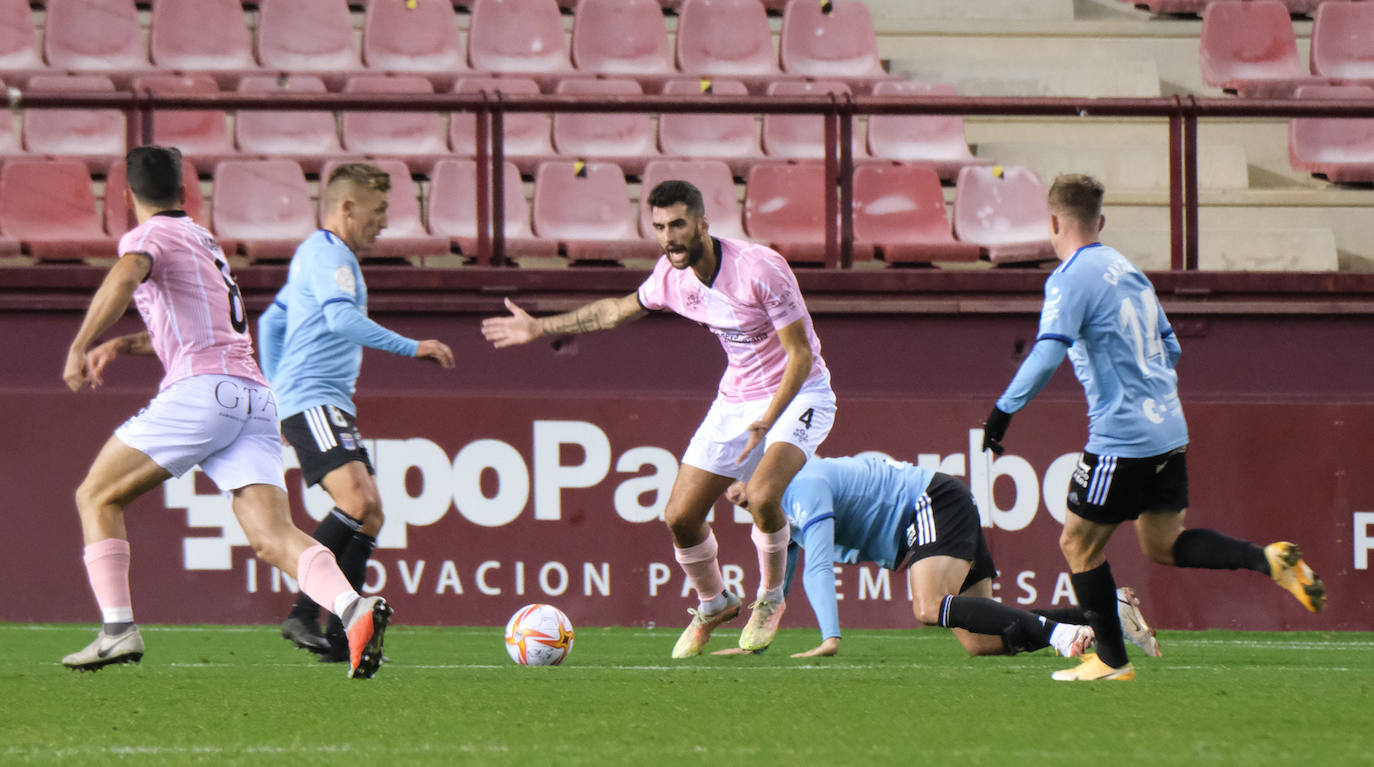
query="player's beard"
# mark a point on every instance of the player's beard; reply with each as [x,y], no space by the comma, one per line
[695,252]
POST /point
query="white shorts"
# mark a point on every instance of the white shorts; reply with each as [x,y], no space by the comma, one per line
[226,424]
[805,423]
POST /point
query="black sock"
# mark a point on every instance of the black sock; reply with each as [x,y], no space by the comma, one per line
[1076,615]
[334,533]
[1096,590]
[353,563]
[1020,631]
[1210,550]
[115,629]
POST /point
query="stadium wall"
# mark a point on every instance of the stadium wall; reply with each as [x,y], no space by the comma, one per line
[539,473]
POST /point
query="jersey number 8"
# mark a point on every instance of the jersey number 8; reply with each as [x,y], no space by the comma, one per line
[238,316]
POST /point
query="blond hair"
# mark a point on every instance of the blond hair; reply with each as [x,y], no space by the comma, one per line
[354,176]
[1077,196]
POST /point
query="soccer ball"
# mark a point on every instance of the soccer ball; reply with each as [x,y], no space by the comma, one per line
[539,635]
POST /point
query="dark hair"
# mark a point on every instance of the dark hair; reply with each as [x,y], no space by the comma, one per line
[1077,196]
[672,192]
[153,174]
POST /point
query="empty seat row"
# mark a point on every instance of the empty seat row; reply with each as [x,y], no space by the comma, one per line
[98,136]
[1295,7]
[1248,47]
[261,209]
[610,37]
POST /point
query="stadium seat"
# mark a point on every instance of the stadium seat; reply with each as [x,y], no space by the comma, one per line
[202,135]
[19,57]
[801,136]
[1343,42]
[453,210]
[1295,7]
[404,235]
[95,136]
[727,38]
[416,136]
[9,139]
[203,36]
[523,37]
[625,38]
[262,208]
[309,138]
[784,208]
[625,138]
[1248,48]
[1340,150]
[95,36]
[118,216]
[1003,213]
[833,41]
[49,208]
[527,134]
[717,186]
[936,140]
[421,38]
[586,208]
[307,37]
[733,138]
[900,210]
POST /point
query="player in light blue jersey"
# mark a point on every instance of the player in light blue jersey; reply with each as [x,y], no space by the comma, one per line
[312,339]
[900,516]
[1102,313]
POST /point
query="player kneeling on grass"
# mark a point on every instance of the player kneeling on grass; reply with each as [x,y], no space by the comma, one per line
[894,514]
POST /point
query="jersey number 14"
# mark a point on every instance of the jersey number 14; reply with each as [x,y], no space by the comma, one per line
[1141,327]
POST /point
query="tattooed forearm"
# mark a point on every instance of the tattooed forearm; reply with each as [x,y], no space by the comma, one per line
[598,315]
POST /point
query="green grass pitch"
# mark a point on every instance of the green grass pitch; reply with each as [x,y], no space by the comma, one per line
[241,695]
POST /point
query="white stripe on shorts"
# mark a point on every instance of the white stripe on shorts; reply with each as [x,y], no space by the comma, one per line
[925,521]
[319,427]
[1102,480]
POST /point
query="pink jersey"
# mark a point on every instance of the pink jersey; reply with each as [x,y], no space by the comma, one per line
[753,294]
[189,301]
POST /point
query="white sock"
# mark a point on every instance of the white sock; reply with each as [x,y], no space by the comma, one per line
[342,602]
[770,595]
[714,605]
[1061,637]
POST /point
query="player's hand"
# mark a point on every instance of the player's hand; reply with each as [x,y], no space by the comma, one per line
[994,429]
[436,351]
[827,648]
[734,651]
[98,359]
[757,431]
[74,372]
[518,328]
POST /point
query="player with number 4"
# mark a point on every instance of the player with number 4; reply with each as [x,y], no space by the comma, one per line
[1102,313]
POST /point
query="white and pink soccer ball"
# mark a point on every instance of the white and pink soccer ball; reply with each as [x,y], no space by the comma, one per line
[539,635]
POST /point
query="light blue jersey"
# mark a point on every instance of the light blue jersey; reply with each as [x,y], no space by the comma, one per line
[848,510]
[1102,311]
[312,337]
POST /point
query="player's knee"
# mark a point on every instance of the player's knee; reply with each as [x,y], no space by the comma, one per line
[926,612]
[1156,552]
[90,499]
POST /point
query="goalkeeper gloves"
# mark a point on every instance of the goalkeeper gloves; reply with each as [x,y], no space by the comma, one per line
[994,429]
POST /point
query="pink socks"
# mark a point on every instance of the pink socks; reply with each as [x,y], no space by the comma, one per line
[702,568]
[321,579]
[107,566]
[772,548]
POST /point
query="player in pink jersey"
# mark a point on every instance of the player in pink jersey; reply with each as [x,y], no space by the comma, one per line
[213,409]
[773,408]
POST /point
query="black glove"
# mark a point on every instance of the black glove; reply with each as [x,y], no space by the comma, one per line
[994,429]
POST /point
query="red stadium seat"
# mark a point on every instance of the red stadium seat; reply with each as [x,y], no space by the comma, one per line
[936,140]
[95,36]
[900,210]
[202,135]
[416,136]
[453,210]
[405,233]
[784,208]
[527,134]
[307,37]
[626,138]
[263,207]
[203,36]
[727,38]
[309,138]
[733,138]
[523,37]
[834,41]
[717,187]
[626,38]
[9,140]
[118,216]
[18,50]
[48,206]
[798,136]
[1248,48]
[1343,42]
[1340,150]
[586,208]
[95,136]
[422,38]
[1005,214]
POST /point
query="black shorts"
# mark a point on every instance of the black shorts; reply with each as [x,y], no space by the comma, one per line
[1108,489]
[325,438]
[944,522]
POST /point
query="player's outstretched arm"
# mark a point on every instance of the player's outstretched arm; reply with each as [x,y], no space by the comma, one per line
[799,360]
[521,328]
[107,306]
[435,351]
